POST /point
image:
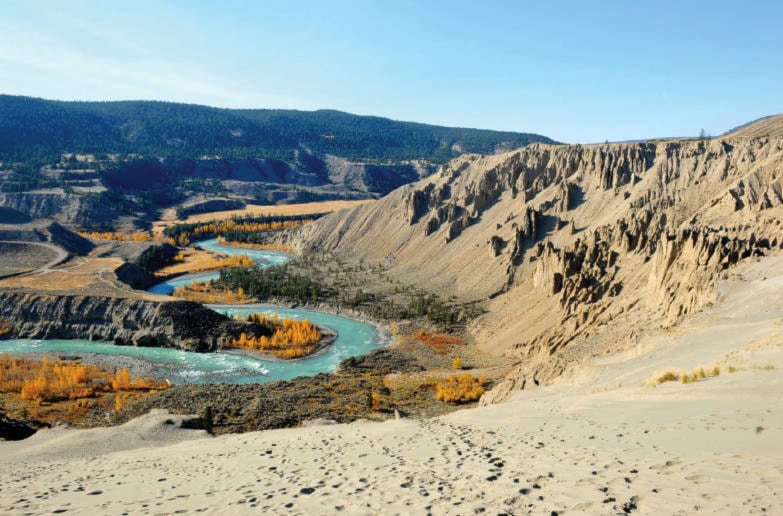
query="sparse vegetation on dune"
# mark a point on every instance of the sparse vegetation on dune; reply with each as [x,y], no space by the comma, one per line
[671,375]
[699,373]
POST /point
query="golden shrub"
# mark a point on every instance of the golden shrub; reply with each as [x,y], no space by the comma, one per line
[63,380]
[463,389]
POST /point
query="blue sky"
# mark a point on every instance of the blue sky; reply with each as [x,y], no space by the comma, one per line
[578,72]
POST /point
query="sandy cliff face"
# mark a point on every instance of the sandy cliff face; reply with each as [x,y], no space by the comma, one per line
[176,324]
[576,250]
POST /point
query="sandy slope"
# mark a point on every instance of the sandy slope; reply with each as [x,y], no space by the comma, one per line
[595,443]
[770,126]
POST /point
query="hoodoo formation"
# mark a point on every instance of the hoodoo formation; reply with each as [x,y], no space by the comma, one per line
[576,251]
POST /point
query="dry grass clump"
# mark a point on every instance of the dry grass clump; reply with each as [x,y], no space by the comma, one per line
[376,401]
[463,389]
[663,377]
[671,375]
[699,373]
[734,369]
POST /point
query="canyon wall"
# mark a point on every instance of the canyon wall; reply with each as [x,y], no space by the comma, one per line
[574,250]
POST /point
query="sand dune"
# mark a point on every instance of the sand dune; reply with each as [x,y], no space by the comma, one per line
[597,442]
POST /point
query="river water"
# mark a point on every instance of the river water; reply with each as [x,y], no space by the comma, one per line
[262,258]
[353,338]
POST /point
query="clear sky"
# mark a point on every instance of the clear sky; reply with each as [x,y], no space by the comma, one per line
[576,71]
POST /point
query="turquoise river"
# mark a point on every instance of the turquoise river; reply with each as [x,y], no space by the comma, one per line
[353,338]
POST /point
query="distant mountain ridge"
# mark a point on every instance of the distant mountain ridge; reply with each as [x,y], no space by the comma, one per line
[91,164]
[30,126]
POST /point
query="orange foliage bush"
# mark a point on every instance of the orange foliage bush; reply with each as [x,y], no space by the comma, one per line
[62,380]
[464,389]
[290,338]
[439,343]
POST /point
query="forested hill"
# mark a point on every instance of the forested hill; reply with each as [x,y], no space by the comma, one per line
[37,129]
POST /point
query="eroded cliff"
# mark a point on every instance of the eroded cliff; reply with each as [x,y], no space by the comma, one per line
[125,321]
[576,250]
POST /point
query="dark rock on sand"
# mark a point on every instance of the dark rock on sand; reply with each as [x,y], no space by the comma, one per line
[18,429]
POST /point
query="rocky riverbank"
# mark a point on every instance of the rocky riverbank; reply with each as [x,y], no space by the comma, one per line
[342,397]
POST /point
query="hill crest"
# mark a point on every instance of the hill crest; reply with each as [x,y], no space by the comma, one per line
[768,126]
